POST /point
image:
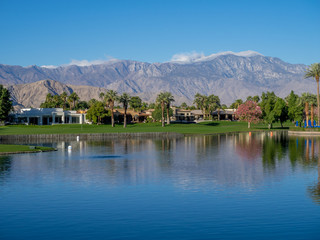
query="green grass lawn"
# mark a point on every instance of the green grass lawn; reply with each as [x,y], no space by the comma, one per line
[5,148]
[209,127]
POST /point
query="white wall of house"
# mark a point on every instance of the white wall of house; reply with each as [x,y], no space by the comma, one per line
[47,116]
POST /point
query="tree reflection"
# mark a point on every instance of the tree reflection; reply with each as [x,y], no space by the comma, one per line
[5,166]
[274,148]
[248,146]
[314,191]
[164,151]
[302,151]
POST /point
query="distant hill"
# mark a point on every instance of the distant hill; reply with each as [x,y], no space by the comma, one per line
[228,75]
[33,94]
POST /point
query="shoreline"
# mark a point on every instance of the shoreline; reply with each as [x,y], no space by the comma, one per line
[120,135]
[23,152]
[89,136]
[8,149]
[304,133]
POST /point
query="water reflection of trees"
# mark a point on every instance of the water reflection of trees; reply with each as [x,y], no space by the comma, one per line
[191,159]
[274,149]
[164,150]
[248,146]
[5,166]
[314,190]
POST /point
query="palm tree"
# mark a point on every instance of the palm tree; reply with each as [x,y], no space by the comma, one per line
[309,100]
[101,96]
[168,99]
[200,101]
[72,99]
[64,96]
[110,97]
[312,102]
[314,72]
[49,98]
[56,101]
[213,103]
[124,99]
[161,99]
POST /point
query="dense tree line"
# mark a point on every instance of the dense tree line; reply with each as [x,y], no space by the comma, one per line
[268,107]
[276,109]
[273,108]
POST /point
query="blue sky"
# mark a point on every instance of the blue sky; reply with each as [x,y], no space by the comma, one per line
[57,32]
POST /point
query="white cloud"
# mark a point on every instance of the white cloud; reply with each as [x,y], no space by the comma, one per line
[199,57]
[83,63]
[49,66]
[187,57]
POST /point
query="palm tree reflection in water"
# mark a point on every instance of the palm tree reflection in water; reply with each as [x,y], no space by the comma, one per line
[314,190]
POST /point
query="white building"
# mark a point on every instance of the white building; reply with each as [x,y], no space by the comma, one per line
[47,116]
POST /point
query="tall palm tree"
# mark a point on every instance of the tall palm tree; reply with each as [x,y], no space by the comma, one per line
[309,100]
[64,96]
[312,102]
[110,97]
[124,99]
[306,110]
[200,101]
[161,99]
[73,98]
[314,72]
[168,99]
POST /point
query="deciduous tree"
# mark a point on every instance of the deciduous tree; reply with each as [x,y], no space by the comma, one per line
[135,102]
[249,112]
[267,104]
[295,107]
[5,103]
[281,111]
[96,112]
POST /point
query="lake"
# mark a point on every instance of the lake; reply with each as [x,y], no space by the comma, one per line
[229,186]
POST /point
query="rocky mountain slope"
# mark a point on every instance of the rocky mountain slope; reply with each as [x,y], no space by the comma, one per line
[228,75]
[33,94]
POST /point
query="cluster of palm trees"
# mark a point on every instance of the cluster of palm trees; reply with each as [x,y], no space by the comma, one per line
[314,72]
[110,97]
[165,99]
[309,101]
[207,104]
[53,101]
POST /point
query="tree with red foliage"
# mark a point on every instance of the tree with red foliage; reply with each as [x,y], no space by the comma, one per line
[249,112]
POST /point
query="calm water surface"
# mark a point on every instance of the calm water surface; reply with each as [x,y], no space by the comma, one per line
[235,186]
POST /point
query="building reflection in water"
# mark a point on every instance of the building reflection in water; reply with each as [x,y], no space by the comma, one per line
[245,160]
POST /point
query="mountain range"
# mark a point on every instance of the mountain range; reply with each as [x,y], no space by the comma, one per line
[228,75]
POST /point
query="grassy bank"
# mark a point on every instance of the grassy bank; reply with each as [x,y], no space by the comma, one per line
[6,149]
[209,127]
[302,129]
